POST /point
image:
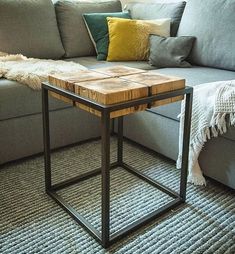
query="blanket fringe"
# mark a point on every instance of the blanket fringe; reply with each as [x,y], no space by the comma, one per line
[195,176]
[197,179]
[219,123]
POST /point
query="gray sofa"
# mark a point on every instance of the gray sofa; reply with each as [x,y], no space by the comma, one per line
[212,57]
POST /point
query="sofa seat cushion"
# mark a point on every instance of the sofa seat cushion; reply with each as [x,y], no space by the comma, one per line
[17,100]
[194,76]
[91,63]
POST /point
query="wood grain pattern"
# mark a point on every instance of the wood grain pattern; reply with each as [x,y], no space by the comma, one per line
[111,91]
[67,81]
[62,82]
[118,71]
[116,84]
[159,83]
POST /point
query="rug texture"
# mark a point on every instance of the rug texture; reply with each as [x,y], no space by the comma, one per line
[31,222]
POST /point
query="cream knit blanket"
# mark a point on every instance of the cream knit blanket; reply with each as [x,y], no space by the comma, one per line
[212,112]
[31,71]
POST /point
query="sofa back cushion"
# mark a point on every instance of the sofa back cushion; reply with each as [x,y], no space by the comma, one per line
[29,27]
[143,10]
[74,34]
[212,22]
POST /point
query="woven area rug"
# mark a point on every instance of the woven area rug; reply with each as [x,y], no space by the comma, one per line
[31,222]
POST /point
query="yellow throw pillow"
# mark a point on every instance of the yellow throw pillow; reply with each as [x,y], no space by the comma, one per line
[129,39]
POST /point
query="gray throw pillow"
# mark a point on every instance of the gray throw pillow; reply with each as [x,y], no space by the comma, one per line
[29,27]
[170,51]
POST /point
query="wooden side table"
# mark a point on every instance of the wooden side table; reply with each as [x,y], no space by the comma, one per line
[106,113]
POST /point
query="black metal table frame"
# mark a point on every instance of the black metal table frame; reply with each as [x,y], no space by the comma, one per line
[104,237]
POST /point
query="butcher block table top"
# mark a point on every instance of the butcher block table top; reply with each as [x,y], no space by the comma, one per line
[117,84]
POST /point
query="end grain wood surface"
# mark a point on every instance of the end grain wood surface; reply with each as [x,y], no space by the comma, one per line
[159,83]
[117,84]
[67,81]
[112,91]
[119,71]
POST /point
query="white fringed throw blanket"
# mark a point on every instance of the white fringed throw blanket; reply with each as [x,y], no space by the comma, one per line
[213,110]
[31,71]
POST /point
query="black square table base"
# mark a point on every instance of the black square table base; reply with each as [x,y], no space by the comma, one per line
[104,237]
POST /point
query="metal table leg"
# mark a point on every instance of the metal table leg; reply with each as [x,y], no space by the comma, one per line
[105,168]
[120,141]
[186,139]
[46,139]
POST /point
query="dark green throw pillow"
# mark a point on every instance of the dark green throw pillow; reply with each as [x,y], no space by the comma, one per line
[170,51]
[98,29]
